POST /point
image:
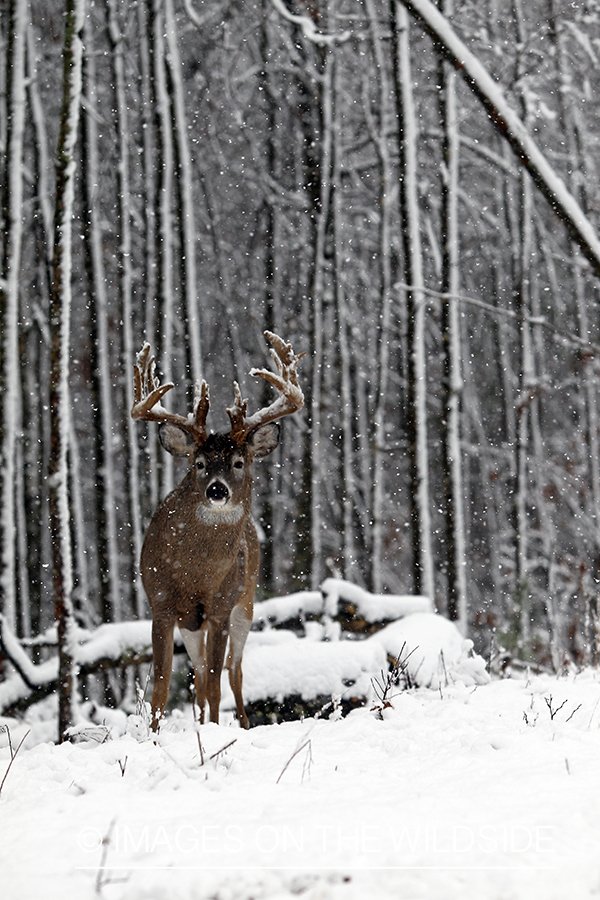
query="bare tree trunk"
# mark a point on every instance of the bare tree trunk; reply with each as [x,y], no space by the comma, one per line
[60,310]
[106,520]
[271,514]
[162,201]
[379,136]
[317,571]
[185,211]
[343,315]
[151,241]
[81,574]
[454,545]
[416,402]
[315,147]
[523,248]
[12,211]
[521,290]
[590,436]
[126,305]
[35,406]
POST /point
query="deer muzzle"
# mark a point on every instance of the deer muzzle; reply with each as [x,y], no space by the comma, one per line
[218,493]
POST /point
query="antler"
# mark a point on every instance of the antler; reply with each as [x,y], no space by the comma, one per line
[290,397]
[148,392]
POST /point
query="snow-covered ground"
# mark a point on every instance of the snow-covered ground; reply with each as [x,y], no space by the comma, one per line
[480,791]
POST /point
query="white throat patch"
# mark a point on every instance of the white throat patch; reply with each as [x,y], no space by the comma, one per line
[219,515]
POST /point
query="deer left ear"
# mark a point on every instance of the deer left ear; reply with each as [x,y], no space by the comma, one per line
[263,439]
[174,439]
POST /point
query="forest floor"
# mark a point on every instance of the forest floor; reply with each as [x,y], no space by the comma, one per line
[464,793]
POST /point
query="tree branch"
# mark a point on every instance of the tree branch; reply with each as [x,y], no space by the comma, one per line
[507,122]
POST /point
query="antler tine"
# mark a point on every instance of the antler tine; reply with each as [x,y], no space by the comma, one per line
[290,398]
[148,392]
[237,413]
[201,406]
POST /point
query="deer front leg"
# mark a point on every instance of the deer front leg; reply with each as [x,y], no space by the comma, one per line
[239,626]
[162,650]
[195,644]
[216,642]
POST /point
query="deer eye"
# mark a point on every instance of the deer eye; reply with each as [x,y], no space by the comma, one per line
[238,464]
[200,464]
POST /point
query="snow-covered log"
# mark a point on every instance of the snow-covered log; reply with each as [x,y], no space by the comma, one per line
[110,646]
[286,675]
[294,608]
[358,610]
[355,608]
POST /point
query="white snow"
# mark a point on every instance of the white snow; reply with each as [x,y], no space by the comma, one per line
[460,789]
[278,664]
[434,650]
[484,793]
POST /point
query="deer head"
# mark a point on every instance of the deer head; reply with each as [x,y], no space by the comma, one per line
[200,556]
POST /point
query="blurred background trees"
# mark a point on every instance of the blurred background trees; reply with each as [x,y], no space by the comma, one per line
[314,168]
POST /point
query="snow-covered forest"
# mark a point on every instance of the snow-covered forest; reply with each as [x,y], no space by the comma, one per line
[409,197]
[407,192]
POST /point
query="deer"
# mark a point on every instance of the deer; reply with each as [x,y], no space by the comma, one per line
[200,555]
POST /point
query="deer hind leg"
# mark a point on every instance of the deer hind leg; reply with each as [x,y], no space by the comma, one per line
[162,651]
[239,626]
[195,644]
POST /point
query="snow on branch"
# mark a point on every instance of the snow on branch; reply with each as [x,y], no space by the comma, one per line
[309,29]
[508,123]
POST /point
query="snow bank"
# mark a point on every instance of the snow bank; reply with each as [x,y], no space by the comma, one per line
[463,794]
[279,665]
[435,650]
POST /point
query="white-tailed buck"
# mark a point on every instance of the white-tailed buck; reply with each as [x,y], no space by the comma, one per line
[200,556]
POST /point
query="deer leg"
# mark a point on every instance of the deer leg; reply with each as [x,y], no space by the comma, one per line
[162,651]
[216,641]
[195,644]
[239,626]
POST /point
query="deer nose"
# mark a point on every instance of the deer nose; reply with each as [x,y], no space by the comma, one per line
[217,492]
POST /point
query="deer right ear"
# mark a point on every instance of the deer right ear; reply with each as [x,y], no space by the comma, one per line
[263,439]
[178,442]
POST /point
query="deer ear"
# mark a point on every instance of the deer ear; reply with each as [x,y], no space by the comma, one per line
[178,442]
[263,439]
